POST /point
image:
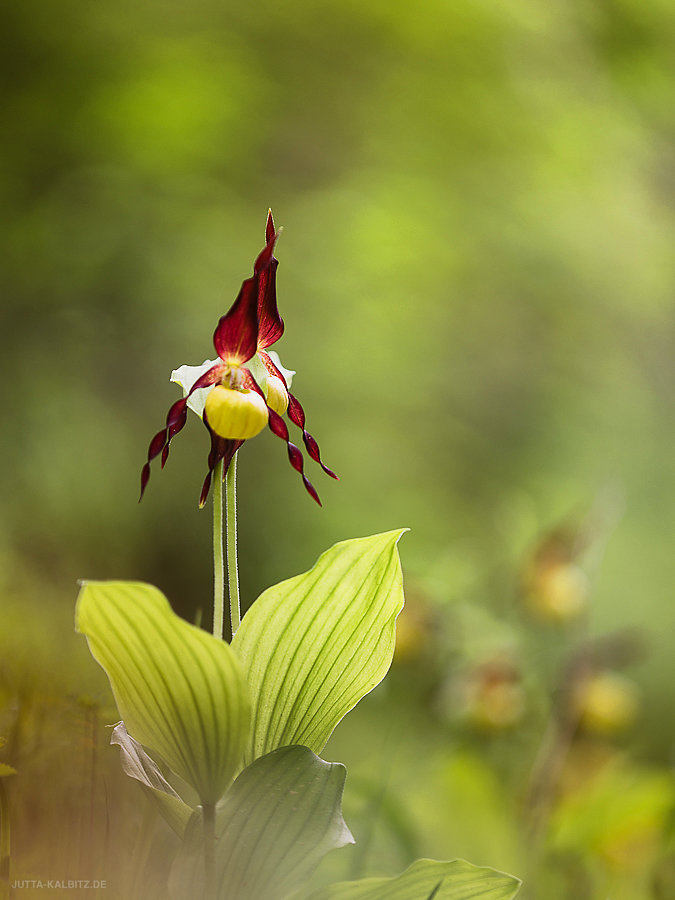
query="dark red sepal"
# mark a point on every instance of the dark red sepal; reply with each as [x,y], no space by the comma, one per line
[266,256]
[221,448]
[297,415]
[236,334]
[279,427]
[270,323]
[206,487]
[270,230]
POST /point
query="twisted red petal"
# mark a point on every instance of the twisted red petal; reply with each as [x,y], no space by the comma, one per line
[278,427]
[145,477]
[175,421]
[177,417]
[297,415]
[157,444]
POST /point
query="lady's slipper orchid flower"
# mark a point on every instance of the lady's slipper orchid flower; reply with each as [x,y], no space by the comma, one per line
[246,388]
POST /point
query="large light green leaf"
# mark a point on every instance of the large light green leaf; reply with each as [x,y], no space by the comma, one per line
[426,878]
[314,645]
[273,826]
[180,691]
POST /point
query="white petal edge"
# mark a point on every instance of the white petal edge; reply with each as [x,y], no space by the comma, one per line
[186,376]
[287,373]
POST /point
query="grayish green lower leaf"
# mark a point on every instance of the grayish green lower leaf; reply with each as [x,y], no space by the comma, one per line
[273,826]
[454,880]
[180,691]
[314,645]
[136,763]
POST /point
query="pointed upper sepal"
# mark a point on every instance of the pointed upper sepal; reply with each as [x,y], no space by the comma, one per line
[270,230]
[270,323]
[236,334]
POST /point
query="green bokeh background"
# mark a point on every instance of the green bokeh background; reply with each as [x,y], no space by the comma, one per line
[476,274]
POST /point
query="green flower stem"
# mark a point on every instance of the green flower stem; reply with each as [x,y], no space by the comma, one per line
[231,526]
[218,560]
[209,813]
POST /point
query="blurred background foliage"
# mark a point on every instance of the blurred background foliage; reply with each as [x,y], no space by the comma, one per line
[476,274]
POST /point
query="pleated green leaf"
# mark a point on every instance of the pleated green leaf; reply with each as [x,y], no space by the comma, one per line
[179,690]
[426,878]
[273,826]
[314,645]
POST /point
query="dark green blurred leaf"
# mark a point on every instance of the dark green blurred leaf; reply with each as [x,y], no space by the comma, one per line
[273,826]
[459,880]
